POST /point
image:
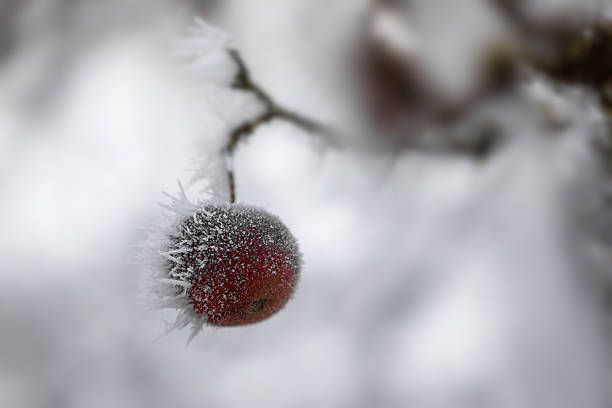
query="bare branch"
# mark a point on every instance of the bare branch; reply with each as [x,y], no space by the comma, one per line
[272,110]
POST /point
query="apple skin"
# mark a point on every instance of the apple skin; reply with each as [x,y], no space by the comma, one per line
[242,263]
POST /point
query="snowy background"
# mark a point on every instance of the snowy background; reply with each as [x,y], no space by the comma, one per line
[429,280]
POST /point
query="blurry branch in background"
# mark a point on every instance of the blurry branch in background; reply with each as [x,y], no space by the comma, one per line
[8,10]
[572,49]
[408,109]
[575,49]
[568,49]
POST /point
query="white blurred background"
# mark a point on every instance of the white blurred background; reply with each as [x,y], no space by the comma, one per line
[430,280]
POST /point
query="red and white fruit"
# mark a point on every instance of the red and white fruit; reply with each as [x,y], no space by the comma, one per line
[240,263]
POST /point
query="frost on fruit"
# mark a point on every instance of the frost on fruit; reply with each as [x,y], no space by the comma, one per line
[222,264]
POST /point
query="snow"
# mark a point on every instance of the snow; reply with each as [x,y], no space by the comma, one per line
[428,280]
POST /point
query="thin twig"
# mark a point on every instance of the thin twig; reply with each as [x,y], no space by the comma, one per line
[232,185]
[272,110]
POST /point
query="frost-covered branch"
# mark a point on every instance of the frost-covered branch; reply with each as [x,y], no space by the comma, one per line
[272,111]
[214,61]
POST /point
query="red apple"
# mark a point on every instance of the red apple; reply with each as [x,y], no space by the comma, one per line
[242,263]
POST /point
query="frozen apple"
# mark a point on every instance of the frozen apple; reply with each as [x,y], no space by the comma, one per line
[241,263]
